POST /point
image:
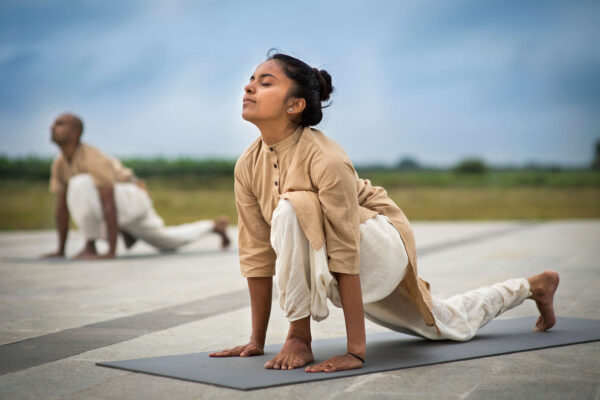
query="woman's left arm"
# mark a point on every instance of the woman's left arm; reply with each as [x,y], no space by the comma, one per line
[336,182]
[354,317]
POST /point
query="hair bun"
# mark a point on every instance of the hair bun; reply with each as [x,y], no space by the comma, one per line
[325,87]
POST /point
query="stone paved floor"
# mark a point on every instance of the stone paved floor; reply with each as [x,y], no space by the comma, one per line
[41,300]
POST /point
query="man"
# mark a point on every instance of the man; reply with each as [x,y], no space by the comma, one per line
[103,198]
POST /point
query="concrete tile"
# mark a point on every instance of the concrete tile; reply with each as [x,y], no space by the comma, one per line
[38,297]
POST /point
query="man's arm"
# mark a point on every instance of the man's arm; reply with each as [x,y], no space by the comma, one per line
[107,198]
[61,216]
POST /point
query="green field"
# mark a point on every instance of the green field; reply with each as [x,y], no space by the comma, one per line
[423,195]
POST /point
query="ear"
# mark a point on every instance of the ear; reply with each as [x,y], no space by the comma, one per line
[296,106]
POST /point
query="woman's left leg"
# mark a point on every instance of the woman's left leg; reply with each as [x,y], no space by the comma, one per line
[457,318]
[461,316]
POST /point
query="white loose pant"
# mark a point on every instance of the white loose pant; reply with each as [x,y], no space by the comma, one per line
[135,215]
[305,283]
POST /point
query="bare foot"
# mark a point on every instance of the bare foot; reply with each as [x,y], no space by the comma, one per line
[295,353]
[543,287]
[88,251]
[129,239]
[56,254]
[337,363]
[220,228]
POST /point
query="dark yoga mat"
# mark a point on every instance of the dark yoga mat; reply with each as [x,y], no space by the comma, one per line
[385,351]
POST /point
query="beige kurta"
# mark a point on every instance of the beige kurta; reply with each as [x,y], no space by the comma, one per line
[105,170]
[330,200]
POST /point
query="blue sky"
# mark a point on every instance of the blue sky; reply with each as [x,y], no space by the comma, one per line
[513,82]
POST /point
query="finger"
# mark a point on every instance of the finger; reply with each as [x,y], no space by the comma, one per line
[316,368]
[219,354]
[225,353]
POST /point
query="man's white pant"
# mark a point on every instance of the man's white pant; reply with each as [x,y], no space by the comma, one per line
[305,283]
[135,215]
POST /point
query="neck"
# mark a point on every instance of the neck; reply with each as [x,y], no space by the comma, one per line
[275,132]
[68,149]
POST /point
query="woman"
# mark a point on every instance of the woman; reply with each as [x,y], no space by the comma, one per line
[306,217]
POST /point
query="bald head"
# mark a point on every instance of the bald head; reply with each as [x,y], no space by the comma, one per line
[74,121]
[67,128]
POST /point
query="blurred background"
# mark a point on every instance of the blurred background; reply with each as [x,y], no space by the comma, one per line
[461,110]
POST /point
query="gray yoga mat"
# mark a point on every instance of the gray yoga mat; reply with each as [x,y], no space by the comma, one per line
[385,351]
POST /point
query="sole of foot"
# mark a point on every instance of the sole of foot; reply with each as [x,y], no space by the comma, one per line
[543,289]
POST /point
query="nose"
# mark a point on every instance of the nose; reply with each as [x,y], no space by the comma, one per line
[249,88]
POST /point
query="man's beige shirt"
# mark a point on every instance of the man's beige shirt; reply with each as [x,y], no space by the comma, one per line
[105,170]
[330,200]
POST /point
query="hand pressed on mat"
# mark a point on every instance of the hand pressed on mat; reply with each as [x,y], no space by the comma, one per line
[337,363]
[246,350]
[260,304]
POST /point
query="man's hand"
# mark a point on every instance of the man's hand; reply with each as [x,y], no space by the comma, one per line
[55,254]
[86,256]
[106,256]
[247,350]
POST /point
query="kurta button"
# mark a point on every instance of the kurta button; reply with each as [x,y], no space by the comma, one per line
[275,183]
[270,148]
[274,165]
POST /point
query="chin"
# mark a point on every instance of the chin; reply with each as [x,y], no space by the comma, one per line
[247,117]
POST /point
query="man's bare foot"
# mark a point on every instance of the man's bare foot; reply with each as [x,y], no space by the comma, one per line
[88,251]
[128,239]
[296,351]
[337,363]
[543,287]
[55,254]
[220,228]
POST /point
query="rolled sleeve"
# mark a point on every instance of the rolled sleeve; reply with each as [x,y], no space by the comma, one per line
[257,257]
[336,182]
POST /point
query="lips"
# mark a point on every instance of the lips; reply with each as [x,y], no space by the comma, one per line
[248,100]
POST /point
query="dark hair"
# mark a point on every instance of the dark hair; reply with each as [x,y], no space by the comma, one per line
[311,84]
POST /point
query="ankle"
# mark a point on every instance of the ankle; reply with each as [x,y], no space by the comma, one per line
[90,246]
[543,283]
[300,330]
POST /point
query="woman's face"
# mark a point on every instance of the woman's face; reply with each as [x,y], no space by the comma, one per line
[266,95]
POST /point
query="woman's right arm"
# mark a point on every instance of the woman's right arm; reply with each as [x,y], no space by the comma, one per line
[257,261]
[260,305]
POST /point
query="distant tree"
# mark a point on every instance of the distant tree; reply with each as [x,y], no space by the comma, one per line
[471,166]
[596,162]
[408,164]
